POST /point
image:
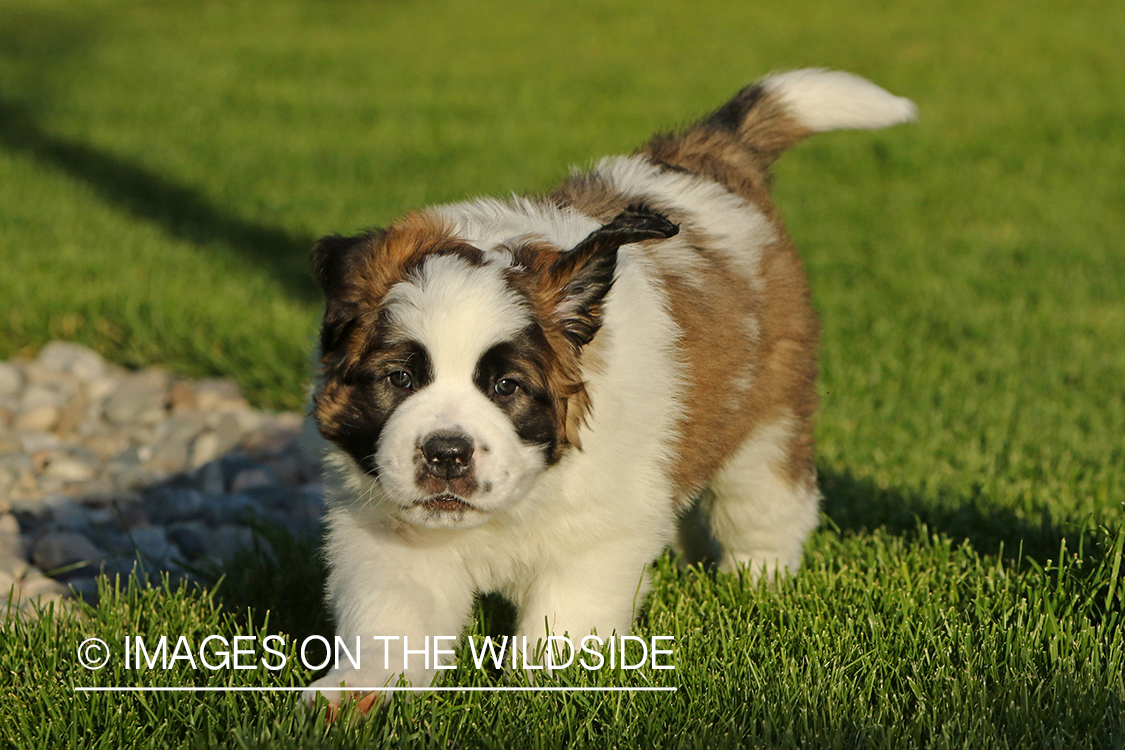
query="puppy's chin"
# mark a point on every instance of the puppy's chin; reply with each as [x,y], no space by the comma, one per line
[443,511]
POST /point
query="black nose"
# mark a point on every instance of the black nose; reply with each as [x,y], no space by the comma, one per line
[447,456]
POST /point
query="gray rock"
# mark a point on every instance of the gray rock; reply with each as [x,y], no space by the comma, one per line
[39,418]
[68,469]
[268,496]
[221,509]
[206,448]
[35,584]
[58,549]
[183,427]
[227,541]
[66,514]
[116,543]
[46,394]
[154,546]
[7,481]
[98,389]
[125,406]
[218,395]
[30,510]
[11,548]
[18,463]
[72,359]
[34,441]
[126,472]
[11,379]
[141,398]
[7,586]
[171,455]
[209,478]
[191,538]
[9,524]
[254,477]
[168,504]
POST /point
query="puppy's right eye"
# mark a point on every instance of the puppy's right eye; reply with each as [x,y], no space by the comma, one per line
[400,379]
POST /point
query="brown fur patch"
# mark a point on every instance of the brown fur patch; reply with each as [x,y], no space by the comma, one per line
[731,330]
[562,367]
[735,145]
[378,262]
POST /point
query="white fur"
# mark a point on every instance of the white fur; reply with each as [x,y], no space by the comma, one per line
[732,226]
[758,516]
[824,100]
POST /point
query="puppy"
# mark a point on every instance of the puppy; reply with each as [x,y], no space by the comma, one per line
[525,396]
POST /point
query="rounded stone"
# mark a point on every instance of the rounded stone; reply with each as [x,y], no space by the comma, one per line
[252,477]
[73,359]
[220,509]
[39,418]
[33,441]
[35,584]
[191,538]
[227,541]
[59,549]
[218,395]
[11,379]
[68,469]
[54,394]
[170,456]
[152,542]
[206,448]
[9,524]
[168,504]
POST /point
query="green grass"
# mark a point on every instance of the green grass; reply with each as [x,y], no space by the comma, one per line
[165,166]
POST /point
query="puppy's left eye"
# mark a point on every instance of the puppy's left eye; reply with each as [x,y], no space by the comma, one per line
[505,387]
[400,379]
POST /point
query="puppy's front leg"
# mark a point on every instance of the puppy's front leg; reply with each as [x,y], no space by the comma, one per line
[599,592]
[396,599]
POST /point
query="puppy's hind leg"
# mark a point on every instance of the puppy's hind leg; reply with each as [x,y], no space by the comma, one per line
[764,502]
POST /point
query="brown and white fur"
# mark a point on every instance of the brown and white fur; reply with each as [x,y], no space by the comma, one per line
[524,396]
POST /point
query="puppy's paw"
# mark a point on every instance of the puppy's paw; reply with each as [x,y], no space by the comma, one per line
[340,687]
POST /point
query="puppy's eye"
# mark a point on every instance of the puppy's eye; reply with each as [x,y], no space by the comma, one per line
[505,387]
[401,379]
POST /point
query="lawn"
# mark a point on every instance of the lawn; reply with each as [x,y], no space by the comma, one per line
[164,168]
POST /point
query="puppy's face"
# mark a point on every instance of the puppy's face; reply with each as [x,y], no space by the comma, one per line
[451,374]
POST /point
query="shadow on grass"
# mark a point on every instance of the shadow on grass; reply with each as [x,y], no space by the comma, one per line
[859,505]
[180,211]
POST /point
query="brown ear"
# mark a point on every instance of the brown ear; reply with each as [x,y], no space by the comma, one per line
[335,260]
[580,278]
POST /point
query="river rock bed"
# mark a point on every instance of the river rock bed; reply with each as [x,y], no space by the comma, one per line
[106,470]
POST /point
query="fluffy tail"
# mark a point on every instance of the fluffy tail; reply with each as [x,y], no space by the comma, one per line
[750,131]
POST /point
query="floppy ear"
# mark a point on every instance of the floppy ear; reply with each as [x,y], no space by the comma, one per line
[336,260]
[580,278]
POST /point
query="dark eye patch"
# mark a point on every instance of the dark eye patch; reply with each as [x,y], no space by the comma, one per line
[528,406]
[351,409]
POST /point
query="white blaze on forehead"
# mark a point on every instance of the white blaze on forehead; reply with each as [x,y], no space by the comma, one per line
[457,311]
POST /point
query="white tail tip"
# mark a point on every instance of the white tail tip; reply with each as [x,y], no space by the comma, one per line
[824,100]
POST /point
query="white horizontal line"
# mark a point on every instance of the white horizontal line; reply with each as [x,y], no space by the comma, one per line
[380,689]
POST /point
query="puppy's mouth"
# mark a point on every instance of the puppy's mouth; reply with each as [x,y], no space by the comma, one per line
[444,503]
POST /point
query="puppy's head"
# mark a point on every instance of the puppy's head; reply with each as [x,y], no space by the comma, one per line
[451,373]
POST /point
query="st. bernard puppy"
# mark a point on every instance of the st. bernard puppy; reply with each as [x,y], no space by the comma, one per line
[525,396]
